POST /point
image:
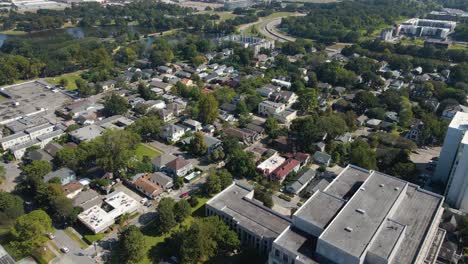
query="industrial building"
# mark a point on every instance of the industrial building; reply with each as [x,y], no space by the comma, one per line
[362,216]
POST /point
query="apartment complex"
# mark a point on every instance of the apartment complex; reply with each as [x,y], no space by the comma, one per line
[452,168]
[427,27]
[362,216]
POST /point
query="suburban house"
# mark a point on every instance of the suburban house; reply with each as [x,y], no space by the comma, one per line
[322,158]
[162,180]
[160,162]
[244,135]
[269,108]
[299,185]
[143,183]
[280,173]
[193,125]
[271,164]
[65,175]
[179,167]
[172,133]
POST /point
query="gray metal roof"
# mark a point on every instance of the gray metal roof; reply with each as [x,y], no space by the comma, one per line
[249,214]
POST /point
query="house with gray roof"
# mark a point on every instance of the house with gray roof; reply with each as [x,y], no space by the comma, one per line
[160,162]
[65,175]
[298,185]
[161,179]
[322,158]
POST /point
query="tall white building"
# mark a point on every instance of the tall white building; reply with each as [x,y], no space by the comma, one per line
[452,168]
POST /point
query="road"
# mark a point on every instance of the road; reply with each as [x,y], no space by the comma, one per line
[268,28]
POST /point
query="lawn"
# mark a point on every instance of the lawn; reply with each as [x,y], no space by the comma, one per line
[43,257]
[75,237]
[70,77]
[13,32]
[153,241]
[145,150]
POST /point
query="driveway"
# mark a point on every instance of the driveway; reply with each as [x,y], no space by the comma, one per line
[77,255]
[12,173]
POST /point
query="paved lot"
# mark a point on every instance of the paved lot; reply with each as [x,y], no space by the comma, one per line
[12,176]
[76,254]
[30,97]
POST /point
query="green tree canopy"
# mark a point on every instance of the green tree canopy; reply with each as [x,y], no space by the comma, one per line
[11,207]
[115,105]
[115,148]
[208,109]
[166,218]
[29,231]
[197,145]
[182,210]
[132,245]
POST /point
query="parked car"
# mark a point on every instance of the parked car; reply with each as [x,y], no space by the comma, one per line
[50,236]
[184,195]
[65,250]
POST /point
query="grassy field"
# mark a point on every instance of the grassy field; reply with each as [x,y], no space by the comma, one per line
[75,237]
[43,257]
[70,77]
[14,32]
[145,150]
[153,240]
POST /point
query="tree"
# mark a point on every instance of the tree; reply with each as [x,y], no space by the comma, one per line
[404,170]
[212,184]
[132,245]
[115,105]
[148,127]
[37,170]
[204,238]
[307,100]
[271,127]
[63,82]
[264,196]
[362,155]
[181,210]
[334,125]
[11,207]
[28,231]
[50,197]
[166,218]
[84,88]
[241,163]
[115,148]
[197,145]
[2,174]
[208,109]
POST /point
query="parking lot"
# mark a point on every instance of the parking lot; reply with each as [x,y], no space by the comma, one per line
[426,161]
[27,98]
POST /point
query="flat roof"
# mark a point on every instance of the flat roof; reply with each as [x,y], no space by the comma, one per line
[249,214]
[347,181]
[98,219]
[387,239]
[417,211]
[320,209]
[30,97]
[87,133]
[374,198]
[272,163]
[297,241]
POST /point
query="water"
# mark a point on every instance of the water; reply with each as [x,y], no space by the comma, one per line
[3,37]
